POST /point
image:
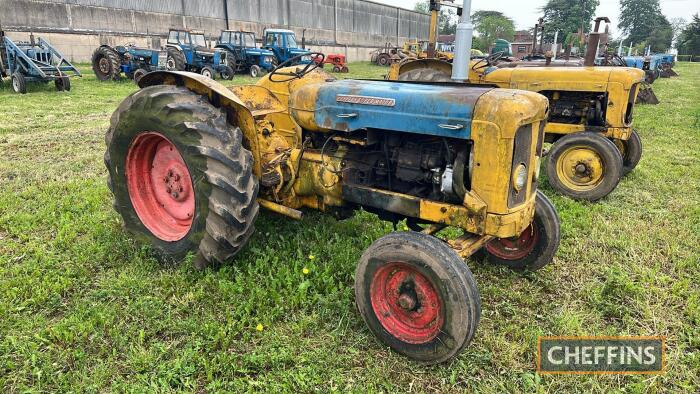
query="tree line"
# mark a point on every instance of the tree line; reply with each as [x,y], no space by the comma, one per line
[642,24]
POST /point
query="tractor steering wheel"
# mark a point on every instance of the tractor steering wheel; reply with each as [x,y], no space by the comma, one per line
[488,61]
[317,59]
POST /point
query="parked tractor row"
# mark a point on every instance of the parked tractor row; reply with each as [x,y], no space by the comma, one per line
[189,50]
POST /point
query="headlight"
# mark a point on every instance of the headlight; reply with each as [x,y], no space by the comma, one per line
[268,59]
[519,177]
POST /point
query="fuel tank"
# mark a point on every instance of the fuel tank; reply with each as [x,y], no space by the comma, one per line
[349,105]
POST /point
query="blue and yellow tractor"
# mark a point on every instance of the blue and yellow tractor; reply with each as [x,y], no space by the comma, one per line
[190,162]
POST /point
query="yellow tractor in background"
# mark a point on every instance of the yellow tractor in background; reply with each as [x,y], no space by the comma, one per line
[190,162]
[590,116]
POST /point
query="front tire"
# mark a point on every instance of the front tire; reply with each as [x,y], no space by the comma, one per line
[208,72]
[255,71]
[181,178]
[631,151]
[138,74]
[19,84]
[535,247]
[417,296]
[584,166]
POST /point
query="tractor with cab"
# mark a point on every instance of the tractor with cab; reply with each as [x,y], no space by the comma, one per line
[109,63]
[243,54]
[190,163]
[189,50]
[283,43]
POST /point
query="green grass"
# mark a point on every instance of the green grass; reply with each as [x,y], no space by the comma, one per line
[84,308]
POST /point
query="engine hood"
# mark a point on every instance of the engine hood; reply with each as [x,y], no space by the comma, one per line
[349,105]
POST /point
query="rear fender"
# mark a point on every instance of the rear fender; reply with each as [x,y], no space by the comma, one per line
[435,64]
[218,95]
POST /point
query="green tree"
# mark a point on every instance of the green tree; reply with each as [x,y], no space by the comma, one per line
[689,39]
[642,22]
[491,25]
[567,16]
[447,21]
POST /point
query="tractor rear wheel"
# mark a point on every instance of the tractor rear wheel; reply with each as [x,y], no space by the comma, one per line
[181,178]
[62,83]
[535,247]
[106,64]
[584,166]
[19,84]
[424,74]
[226,73]
[631,151]
[176,60]
[417,296]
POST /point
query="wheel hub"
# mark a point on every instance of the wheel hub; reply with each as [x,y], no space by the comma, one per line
[104,65]
[15,84]
[160,186]
[515,248]
[580,168]
[406,303]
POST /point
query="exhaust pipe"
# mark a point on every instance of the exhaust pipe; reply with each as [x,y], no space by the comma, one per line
[463,44]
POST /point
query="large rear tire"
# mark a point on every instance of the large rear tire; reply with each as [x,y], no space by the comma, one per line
[106,64]
[176,60]
[417,296]
[181,178]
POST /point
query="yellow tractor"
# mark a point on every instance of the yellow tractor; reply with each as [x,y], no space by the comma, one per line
[590,117]
[190,162]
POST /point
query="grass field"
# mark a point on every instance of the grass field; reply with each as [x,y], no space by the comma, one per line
[84,308]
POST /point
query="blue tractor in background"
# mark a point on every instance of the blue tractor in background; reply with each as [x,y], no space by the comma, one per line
[109,63]
[243,54]
[283,43]
[33,61]
[188,50]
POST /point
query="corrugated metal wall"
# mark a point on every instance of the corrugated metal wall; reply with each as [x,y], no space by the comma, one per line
[340,22]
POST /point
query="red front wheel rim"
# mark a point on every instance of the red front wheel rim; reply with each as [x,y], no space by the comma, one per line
[515,248]
[406,303]
[160,186]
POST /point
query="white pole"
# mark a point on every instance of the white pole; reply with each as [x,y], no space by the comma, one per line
[555,47]
[619,50]
[629,50]
[463,44]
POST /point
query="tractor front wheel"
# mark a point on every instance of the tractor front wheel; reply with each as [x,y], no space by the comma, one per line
[631,151]
[181,178]
[19,84]
[208,72]
[584,166]
[139,73]
[535,247]
[62,84]
[417,296]
[255,71]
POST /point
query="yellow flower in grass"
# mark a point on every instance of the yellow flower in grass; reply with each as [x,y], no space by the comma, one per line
[259,327]
[306,271]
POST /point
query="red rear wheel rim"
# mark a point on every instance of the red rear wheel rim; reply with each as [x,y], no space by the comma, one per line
[515,248]
[160,186]
[406,303]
